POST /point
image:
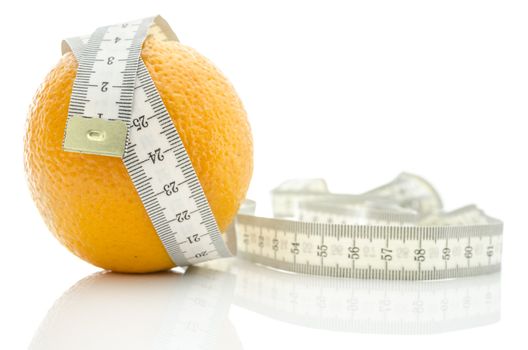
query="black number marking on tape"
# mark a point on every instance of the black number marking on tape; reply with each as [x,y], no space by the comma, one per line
[156,155]
[193,238]
[183,216]
[170,188]
[104,86]
[140,122]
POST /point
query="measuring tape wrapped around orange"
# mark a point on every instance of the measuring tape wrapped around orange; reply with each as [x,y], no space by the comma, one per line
[139,155]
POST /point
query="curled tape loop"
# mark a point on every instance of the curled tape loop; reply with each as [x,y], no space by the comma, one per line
[396,231]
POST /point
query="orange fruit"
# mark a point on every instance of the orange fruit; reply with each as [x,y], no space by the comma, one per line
[89,201]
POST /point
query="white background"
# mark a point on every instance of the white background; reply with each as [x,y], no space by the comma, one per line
[352,91]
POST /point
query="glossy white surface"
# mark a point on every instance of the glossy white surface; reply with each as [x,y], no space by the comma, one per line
[170,310]
[354,92]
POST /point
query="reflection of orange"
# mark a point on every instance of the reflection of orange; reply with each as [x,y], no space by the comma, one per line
[89,202]
[118,311]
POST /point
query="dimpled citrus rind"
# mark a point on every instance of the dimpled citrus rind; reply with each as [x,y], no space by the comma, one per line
[90,203]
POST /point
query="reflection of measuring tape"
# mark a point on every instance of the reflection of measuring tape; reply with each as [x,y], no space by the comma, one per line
[393,232]
[388,307]
[192,311]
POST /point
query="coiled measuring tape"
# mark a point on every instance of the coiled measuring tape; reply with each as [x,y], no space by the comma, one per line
[397,231]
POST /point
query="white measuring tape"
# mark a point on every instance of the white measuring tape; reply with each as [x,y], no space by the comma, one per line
[112,93]
[397,231]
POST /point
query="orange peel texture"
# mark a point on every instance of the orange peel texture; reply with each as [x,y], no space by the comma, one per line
[89,201]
